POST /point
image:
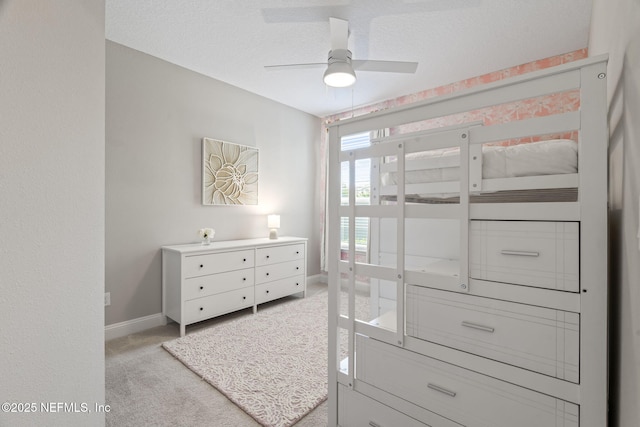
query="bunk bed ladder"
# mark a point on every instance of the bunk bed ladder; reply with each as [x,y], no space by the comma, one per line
[400,245]
[465,164]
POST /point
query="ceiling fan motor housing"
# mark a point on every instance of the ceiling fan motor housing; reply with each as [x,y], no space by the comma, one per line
[339,55]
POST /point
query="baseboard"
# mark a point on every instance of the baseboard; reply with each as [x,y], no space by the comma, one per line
[317,278]
[140,324]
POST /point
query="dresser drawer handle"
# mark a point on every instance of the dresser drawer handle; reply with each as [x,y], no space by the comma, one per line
[267,291]
[372,424]
[201,265]
[201,287]
[244,260]
[476,326]
[267,256]
[297,268]
[201,308]
[441,390]
[297,252]
[244,297]
[520,253]
[244,279]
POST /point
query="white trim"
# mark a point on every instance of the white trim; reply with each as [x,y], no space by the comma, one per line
[318,278]
[117,330]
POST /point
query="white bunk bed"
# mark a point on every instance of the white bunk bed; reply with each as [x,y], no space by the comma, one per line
[485,279]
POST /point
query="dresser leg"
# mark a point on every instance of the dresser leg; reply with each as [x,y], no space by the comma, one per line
[182,329]
[255,309]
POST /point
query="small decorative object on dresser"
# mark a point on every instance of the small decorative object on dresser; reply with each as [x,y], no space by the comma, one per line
[199,283]
[206,234]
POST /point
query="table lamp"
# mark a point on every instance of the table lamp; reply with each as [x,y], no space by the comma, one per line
[273,222]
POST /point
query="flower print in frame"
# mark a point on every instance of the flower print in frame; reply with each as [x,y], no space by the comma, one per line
[229,173]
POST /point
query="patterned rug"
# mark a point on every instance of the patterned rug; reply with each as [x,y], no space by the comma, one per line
[273,364]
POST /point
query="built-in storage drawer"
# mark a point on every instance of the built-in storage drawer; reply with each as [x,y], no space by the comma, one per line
[279,288]
[536,338]
[200,265]
[277,254]
[458,394]
[268,273]
[358,410]
[533,253]
[215,305]
[202,286]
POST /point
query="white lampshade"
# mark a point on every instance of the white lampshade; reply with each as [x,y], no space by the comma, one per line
[273,221]
[339,74]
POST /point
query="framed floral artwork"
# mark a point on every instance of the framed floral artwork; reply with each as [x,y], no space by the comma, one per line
[229,173]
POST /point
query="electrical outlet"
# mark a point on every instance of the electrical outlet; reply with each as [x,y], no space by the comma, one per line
[107,298]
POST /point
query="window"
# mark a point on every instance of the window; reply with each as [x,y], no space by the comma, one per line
[362,189]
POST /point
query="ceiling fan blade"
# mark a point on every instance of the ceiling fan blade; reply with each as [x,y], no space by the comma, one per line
[295,66]
[339,33]
[384,66]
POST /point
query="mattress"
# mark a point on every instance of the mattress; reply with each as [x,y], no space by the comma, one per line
[550,157]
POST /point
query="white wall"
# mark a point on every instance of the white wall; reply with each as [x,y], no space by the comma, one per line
[52,209]
[615,30]
[157,114]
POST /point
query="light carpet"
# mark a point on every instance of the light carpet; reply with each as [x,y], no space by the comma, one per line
[272,364]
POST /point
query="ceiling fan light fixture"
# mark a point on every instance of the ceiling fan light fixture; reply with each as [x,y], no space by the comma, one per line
[339,73]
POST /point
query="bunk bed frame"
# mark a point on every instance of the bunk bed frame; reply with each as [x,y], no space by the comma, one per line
[580,200]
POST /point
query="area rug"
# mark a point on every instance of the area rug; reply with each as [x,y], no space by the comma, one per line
[272,364]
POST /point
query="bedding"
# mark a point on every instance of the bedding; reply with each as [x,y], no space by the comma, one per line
[550,157]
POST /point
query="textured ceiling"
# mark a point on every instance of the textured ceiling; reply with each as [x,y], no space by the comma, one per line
[232,41]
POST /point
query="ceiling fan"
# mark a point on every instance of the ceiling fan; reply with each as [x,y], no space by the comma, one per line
[341,68]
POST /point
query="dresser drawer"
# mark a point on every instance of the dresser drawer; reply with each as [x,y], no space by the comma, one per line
[268,273]
[279,288]
[215,305]
[358,410]
[533,253]
[275,254]
[202,286]
[201,265]
[458,394]
[535,338]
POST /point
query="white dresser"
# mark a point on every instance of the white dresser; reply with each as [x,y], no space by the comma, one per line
[204,281]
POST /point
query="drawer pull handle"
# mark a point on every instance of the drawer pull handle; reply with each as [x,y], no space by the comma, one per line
[372,424]
[441,390]
[244,260]
[267,291]
[244,279]
[476,326]
[267,274]
[297,252]
[201,265]
[267,256]
[520,253]
[244,297]
[201,308]
[201,287]
[297,268]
